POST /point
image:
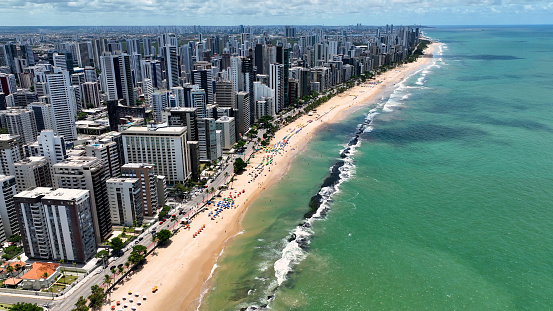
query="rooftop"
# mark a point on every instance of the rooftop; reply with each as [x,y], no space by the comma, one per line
[39,268]
[173,130]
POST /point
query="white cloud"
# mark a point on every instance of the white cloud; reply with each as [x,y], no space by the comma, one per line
[209,12]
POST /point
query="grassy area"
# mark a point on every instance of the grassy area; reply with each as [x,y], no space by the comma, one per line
[55,288]
[4,306]
[68,279]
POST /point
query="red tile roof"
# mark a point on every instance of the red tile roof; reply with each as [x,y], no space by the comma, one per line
[38,269]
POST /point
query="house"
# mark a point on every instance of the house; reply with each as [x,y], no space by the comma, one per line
[41,275]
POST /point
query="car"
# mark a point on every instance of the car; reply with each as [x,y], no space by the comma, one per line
[161,222]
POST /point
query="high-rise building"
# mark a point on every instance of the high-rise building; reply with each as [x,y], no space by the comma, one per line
[224,96]
[207,139]
[108,153]
[125,201]
[165,147]
[198,100]
[276,82]
[11,151]
[52,147]
[228,131]
[91,95]
[171,65]
[44,116]
[87,173]
[243,106]
[160,102]
[117,81]
[32,172]
[8,84]
[203,79]
[56,224]
[7,207]
[145,174]
[63,103]
[183,117]
[22,122]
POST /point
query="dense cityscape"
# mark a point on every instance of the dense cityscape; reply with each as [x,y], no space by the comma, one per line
[110,133]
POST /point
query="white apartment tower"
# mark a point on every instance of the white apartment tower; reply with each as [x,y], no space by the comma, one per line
[61,98]
[164,147]
[87,173]
[11,151]
[33,172]
[145,173]
[22,122]
[7,207]
[52,147]
[125,201]
[56,224]
[108,153]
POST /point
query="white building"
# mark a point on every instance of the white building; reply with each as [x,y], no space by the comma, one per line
[32,172]
[52,147]
[44,116]
[125,201]
[7,207]
[108,153]
[56,224]
[11,151]
[228,131]
[87,173]
[63,103]
[276,82]
[22,122]
[91,94]
[164,147]
[148,180]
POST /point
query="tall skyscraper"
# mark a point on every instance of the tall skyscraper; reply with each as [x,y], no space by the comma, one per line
[108,153]
[117,81]
[171,66]
[52,147]
[276,82]
[7,207]
[32,172]
[11,151]
[203,79]
[87,173]
[145,174]
[125,201]
[165,147]
[56,224]
[22,122]
[63,103]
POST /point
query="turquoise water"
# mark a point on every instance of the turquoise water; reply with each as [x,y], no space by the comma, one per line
[445,202]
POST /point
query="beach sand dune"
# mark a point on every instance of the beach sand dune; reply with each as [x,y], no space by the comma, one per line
[180,269]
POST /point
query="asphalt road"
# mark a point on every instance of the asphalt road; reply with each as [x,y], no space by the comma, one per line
[96,276]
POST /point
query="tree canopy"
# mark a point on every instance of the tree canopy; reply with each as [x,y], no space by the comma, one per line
[239,165]
[97,297]
[116,244]
[163,236]
[25,306]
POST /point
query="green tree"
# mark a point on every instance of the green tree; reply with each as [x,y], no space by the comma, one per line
[103,254]
[107,279]
[163,236]
[121,269]
[81,305]
[14,238]
[138,253]
[116,244]
[97,297]
[239,165]
[10,269]
[25,306]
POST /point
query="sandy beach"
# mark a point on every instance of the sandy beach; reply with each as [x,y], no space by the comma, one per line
[180,269]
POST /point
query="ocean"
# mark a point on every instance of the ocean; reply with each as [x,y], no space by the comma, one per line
[437,196]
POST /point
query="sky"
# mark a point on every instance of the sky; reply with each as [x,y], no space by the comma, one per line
[274,12]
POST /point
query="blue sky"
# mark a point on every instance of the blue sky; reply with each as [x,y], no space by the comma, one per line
[274,12]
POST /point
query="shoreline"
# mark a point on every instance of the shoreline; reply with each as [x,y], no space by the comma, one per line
[181,268]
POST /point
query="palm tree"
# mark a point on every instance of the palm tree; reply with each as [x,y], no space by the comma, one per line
[107,280]
[112,270]
[9,269]
[61,262]
[121,269]
[74,268]
[17,267]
